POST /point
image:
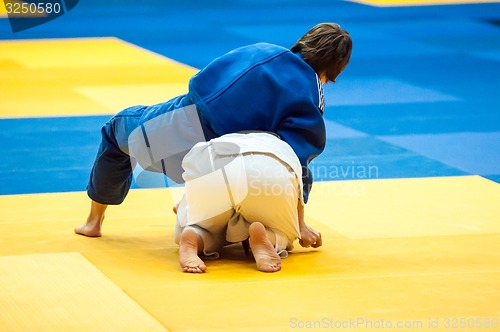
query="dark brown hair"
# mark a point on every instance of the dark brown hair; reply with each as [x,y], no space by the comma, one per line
[326,48]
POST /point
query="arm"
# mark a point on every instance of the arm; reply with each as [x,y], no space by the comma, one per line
[309,237]
[304,130]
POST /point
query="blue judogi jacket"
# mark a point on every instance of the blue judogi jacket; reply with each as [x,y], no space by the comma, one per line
[258,87]
[264,87]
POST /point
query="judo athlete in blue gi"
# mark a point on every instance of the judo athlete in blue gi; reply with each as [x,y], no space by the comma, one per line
[261,87]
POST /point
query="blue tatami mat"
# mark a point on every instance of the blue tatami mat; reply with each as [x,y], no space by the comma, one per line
[419,98]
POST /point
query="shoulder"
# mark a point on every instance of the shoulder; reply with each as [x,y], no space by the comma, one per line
[263,48]
[252,62]
[254,54]
[251,55]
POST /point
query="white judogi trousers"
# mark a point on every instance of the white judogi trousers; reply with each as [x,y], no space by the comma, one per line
[237,179]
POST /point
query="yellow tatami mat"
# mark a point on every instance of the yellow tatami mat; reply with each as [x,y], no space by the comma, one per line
[64,292]
[84,77]
[398,255]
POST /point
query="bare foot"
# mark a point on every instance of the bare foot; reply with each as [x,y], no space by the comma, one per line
[189,246]
[263,251]
[91,228]
[93,225]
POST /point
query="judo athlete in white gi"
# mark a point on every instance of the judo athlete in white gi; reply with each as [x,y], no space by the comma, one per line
[238,187]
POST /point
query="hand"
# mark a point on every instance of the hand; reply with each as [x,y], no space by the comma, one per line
[176,207]
[310,237]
